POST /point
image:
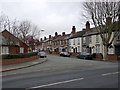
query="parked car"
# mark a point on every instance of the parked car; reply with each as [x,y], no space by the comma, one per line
[42,54]
[85,56]
[65,54]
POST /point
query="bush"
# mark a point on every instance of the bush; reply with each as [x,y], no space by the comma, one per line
[15,56]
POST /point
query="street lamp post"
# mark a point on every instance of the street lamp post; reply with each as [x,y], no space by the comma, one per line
[40,33]
[39,37]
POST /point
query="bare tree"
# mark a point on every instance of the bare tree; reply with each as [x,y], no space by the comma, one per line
[24,29]
[5,23]
[15,28]
[35,31]
[105,18]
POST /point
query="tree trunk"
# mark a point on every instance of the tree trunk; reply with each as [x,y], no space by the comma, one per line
[105,53]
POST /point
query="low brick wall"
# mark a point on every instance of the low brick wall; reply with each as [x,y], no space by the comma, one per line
[112,57]
[55,53]
[99,56]
[74,54]
[16,61]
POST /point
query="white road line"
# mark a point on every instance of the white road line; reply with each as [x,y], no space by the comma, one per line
[110,73]
[67,81]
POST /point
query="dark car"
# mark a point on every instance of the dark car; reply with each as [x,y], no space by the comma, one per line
[85,56]
[42,54]
[65,54]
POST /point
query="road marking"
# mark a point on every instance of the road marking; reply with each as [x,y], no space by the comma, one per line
[67,81]
[110,73]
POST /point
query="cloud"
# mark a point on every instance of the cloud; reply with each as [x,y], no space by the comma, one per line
[50,16]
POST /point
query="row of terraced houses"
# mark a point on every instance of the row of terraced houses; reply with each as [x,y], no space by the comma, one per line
[87,40]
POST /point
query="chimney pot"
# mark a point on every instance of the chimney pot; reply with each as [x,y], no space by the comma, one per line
[56,34]
[73,30]
[49,36]
[44,38]
[63,33]
[87,26]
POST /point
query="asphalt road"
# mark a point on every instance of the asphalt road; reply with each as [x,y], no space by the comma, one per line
[64,72]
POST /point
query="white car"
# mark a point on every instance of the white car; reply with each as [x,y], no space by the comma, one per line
[65,54]
[42,54]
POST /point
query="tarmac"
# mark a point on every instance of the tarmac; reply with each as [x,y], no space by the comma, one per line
[6,68]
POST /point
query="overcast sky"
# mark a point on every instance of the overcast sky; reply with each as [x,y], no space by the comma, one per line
[50,16]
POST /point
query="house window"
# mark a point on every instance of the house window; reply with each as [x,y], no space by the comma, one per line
[69,42]
[78,50]
[84,39]
[118,38]
[5,50]
[74,42]
[21,50]
[78,41]
[97,38]
[90,39]
[84,49]
[97,48]
[110,50]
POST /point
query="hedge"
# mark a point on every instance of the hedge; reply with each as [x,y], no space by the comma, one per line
[15,56]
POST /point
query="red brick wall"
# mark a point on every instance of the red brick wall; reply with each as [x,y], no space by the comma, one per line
[112,57]
[15,50]
[98,56]
[74,54]
[15,61]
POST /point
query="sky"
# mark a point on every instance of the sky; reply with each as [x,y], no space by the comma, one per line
[51,16]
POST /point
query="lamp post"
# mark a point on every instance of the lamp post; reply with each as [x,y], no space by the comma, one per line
[40,33]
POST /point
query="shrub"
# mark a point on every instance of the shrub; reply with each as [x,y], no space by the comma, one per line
[15,56]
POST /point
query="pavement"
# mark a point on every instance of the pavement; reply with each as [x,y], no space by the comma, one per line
[22,65]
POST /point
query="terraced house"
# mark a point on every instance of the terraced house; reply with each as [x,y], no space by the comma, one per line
[75,41]
[92,43]
[85,41]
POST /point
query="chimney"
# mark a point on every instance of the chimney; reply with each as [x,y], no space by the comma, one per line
[108,20]
[73,30]
[49,36]
[44,38]
[63,33]
[87,26]
[56,34]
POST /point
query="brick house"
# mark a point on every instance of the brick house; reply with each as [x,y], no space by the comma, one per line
[60,43]
[14,45]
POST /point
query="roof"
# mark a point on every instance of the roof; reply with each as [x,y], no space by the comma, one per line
[78,34]
[60,38]
[13,36]
[92,31]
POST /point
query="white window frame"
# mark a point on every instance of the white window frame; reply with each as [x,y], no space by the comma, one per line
[78,41]
[21,50]
[90,39]
[110,50]
[118,38]
[97,38]
[97,48]
[84,39]
[4,50]
[78,49]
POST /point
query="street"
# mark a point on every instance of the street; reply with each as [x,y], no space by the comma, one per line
[64,72]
